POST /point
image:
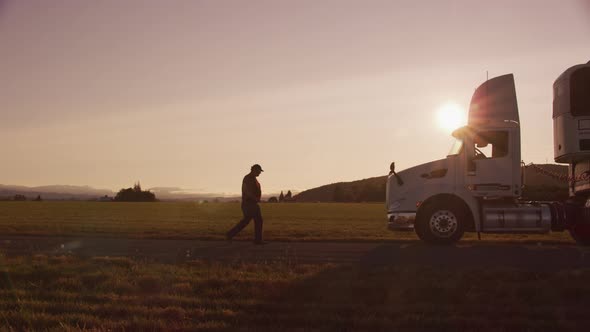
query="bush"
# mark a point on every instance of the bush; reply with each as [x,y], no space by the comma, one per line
[19,197]
[135,194]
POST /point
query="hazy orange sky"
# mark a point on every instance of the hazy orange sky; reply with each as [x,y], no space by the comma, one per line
[191,93]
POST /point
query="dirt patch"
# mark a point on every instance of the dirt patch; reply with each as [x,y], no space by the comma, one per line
[537,256]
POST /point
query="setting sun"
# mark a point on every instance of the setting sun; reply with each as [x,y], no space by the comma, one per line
[451,116]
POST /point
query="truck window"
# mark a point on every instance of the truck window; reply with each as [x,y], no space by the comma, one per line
[456,148]
[491,144]
[580,92]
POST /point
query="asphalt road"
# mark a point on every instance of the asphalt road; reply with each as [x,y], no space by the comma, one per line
[403,253]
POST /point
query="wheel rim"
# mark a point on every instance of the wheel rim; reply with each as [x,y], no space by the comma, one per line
[443,223]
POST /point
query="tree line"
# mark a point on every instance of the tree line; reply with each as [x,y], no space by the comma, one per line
[361,192]
[20,198]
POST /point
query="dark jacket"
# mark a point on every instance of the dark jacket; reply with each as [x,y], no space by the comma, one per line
[251,192]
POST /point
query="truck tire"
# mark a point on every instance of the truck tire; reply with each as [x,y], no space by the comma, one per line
[442,222]
[581,233]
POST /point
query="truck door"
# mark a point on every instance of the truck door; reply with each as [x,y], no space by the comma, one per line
[490,163]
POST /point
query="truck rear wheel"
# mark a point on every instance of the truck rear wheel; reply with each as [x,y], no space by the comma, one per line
[581,233]
[441,222]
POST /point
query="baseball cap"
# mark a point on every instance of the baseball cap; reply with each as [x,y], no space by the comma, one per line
[257,167]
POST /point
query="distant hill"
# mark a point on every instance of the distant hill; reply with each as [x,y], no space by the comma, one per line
[55,192]
[180,194]
[82,193]
[540,187]
[537,187]
[366,190]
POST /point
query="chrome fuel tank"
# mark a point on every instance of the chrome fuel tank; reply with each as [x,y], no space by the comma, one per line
[523,218]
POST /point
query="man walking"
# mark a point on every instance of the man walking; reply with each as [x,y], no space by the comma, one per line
[251,194]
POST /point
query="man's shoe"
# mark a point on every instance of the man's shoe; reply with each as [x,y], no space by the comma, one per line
[260,243]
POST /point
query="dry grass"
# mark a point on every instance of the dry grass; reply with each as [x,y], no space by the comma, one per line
[118,294]
[63,293]
[283,222]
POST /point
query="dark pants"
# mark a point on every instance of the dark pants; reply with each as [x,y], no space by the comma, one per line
[250,211]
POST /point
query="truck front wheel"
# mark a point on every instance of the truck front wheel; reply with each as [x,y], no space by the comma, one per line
[441,223]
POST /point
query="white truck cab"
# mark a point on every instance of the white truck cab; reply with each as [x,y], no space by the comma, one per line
[478,185]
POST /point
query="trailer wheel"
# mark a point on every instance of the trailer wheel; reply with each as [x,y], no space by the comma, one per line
[581,233]
[441,222]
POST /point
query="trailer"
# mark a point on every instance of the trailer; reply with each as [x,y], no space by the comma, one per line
[478,186]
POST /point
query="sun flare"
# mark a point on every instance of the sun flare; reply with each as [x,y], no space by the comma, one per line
[451,116]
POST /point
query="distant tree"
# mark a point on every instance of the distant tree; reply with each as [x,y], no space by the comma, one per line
[273,200]
[281,197]
[135,194]
[342,195]
[289,195]
[38,199]
[371,192]
[19,197]
[338,193]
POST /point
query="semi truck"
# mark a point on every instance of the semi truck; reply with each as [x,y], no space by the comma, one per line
[478,186]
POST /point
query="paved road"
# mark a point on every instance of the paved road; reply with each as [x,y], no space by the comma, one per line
[465,254]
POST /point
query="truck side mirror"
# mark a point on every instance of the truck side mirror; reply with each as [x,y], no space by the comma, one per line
[400,182]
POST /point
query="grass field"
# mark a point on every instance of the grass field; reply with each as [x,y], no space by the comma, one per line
[119,294]
[67,293]
[209,221]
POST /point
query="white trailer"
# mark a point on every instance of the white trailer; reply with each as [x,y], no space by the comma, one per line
[475,190]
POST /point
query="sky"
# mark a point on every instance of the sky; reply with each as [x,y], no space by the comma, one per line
[190,94]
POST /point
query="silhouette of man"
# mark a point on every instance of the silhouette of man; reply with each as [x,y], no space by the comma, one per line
[251,193]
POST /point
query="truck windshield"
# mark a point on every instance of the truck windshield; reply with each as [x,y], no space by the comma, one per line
[456,148]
